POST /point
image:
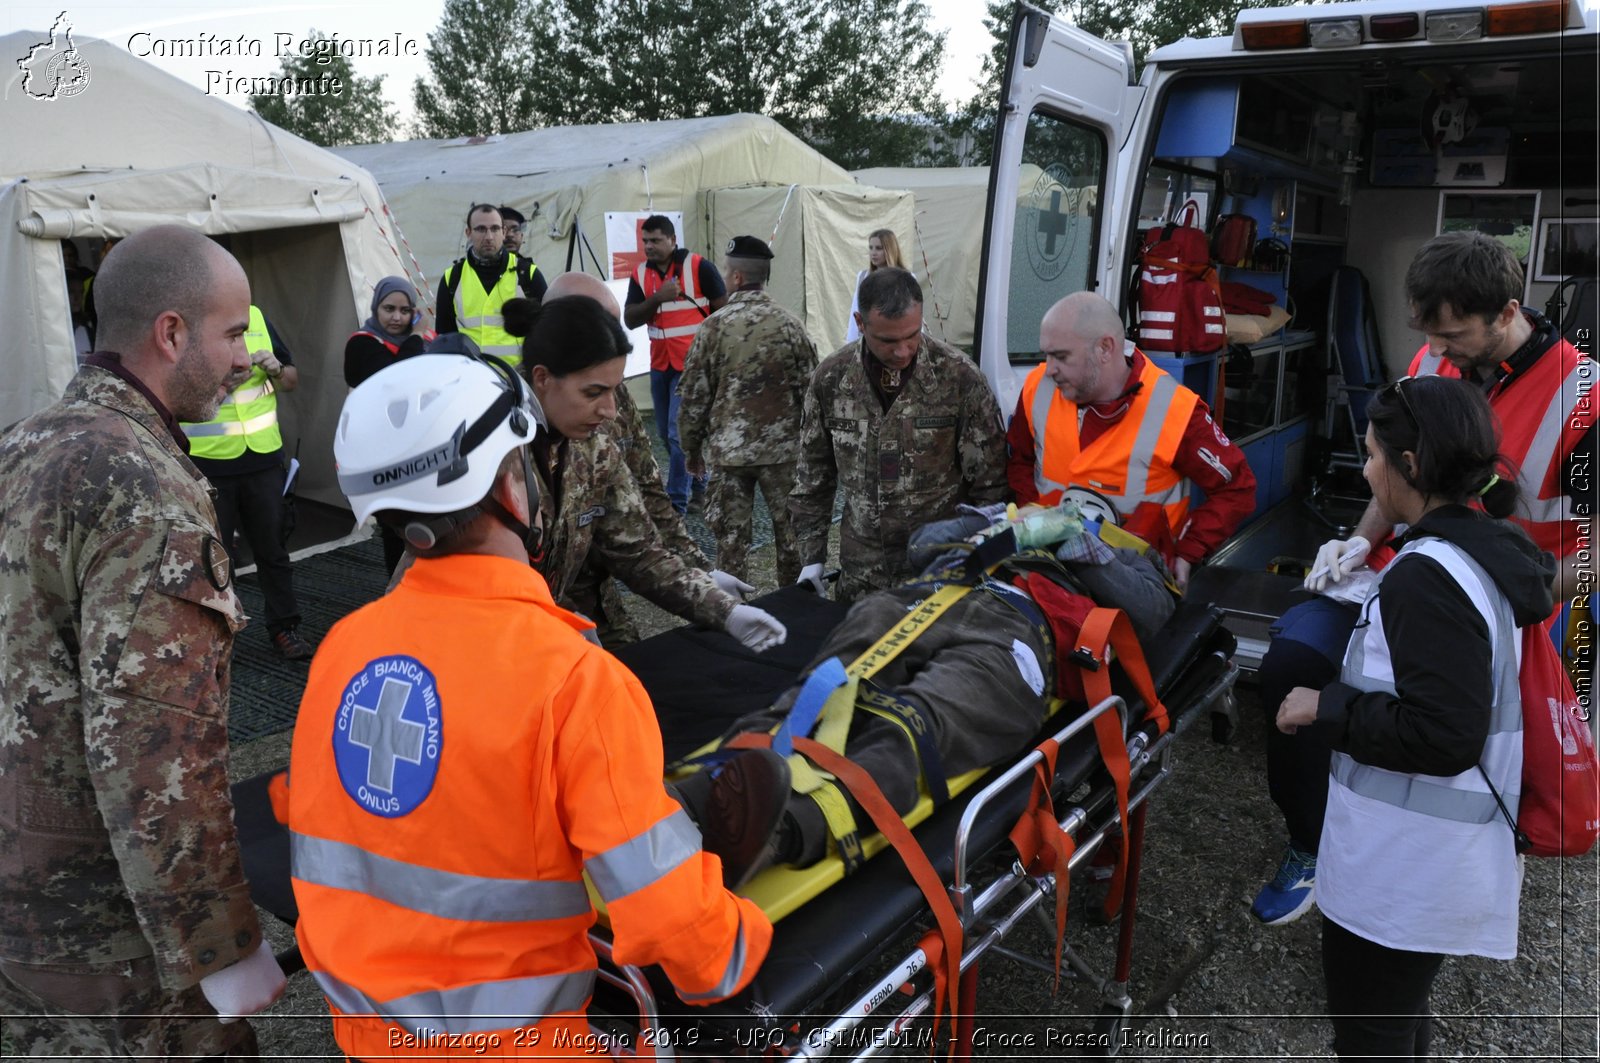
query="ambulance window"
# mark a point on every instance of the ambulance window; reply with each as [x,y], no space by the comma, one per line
[1055,225]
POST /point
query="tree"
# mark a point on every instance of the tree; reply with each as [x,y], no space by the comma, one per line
[855,78]
[1146,24]
[357,114]
[492,69]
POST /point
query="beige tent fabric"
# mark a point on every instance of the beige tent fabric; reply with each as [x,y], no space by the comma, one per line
[565,179]
[945,244]
[819,238]
[138,147]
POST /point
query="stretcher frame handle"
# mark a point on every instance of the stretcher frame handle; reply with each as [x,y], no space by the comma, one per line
[960,889]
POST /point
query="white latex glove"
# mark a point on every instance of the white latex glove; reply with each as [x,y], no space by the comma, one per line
[812,574]
[758,629]
[268,362]
[249,986]
[1336,560]
[731,584]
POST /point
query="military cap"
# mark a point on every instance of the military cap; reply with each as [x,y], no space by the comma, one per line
[511,214]
[748,247]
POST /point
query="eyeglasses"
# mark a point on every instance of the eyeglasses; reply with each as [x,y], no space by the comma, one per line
[1411,414]
[485,230]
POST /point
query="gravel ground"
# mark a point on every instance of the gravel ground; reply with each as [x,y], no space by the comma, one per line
[1208,981]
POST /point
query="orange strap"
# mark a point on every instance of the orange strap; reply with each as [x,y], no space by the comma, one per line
[1038,835]
[1104,631]
[278,794]
[894,829]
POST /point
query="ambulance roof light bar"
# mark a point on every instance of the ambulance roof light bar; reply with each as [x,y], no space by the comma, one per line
[1262,29]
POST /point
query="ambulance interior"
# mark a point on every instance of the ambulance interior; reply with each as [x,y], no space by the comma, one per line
[1347,167]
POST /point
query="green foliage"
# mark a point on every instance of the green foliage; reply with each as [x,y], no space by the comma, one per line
[855,78]
[490,64]
[357,115]
[1146,24]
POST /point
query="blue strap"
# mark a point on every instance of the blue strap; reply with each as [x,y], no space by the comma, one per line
[823,681]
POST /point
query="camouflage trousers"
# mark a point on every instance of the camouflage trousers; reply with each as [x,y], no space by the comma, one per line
[730,503]
[111,1010]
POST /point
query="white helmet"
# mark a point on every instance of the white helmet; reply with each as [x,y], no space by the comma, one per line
[1092,505]
[426,435]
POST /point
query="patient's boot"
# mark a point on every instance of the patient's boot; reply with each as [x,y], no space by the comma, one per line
[741,813]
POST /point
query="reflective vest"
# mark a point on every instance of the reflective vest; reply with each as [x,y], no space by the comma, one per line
[672,329]
[1131,461]
[248,417]
[478,311]
[1544,411]
[391,344]
[1426,863]
[445,803]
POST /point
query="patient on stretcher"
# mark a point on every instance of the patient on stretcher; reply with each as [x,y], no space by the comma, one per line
[970,688]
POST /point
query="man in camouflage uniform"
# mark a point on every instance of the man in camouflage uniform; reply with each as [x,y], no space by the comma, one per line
[125,918]
[904,427]
[743,384]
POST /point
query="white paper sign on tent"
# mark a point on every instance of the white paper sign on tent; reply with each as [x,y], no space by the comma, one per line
[625,244]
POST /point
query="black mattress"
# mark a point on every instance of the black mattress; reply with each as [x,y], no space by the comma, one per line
[703,681]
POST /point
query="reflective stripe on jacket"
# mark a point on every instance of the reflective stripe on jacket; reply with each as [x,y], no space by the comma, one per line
[1544,411]
[672,329]
[478,311]
[462,757]
[1130,462]
[248,417]
[1427,863]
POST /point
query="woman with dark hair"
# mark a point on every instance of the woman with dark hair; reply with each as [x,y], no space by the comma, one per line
[883,249]
[1416,861]
[573,355]
[389,333]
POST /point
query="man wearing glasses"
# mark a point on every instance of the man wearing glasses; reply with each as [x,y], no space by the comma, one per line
[1465,291]
[470,298]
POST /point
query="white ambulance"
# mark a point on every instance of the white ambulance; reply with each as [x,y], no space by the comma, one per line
[1343,135]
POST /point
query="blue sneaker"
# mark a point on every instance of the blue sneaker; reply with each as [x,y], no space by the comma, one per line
[1292,892]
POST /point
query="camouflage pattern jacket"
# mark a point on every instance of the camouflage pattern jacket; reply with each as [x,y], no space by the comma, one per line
[116,825]
[939,444]
[743,384]
[602,515]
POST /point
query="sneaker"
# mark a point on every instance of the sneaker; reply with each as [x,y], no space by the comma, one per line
[291,646]
[742,812]
[1292,892]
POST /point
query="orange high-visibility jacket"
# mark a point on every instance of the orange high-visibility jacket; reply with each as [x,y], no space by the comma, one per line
[672,329]
[1130,462]
[462,756]
[1544,411]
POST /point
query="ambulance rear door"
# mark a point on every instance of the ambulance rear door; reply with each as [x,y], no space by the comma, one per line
[1056,187]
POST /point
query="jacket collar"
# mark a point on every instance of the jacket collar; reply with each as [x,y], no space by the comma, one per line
[106,381]
[488,577]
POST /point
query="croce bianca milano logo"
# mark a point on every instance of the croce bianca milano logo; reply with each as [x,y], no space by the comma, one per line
[55,69]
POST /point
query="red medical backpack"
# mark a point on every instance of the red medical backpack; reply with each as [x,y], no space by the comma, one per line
[1180,299]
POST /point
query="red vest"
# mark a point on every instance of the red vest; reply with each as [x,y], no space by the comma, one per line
[672,329]
[1544,411]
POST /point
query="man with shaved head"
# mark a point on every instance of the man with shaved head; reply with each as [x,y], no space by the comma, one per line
[593,592]
[126,926]
[1098,418]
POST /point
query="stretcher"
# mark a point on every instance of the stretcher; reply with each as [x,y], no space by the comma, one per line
[825,989]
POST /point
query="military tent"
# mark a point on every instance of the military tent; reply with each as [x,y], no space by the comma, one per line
[565,180]
[122,146]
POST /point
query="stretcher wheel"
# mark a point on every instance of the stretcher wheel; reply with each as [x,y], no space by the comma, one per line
[1111,1028]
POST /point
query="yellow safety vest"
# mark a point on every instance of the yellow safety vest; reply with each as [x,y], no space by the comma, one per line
[478,311]
[248,417]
